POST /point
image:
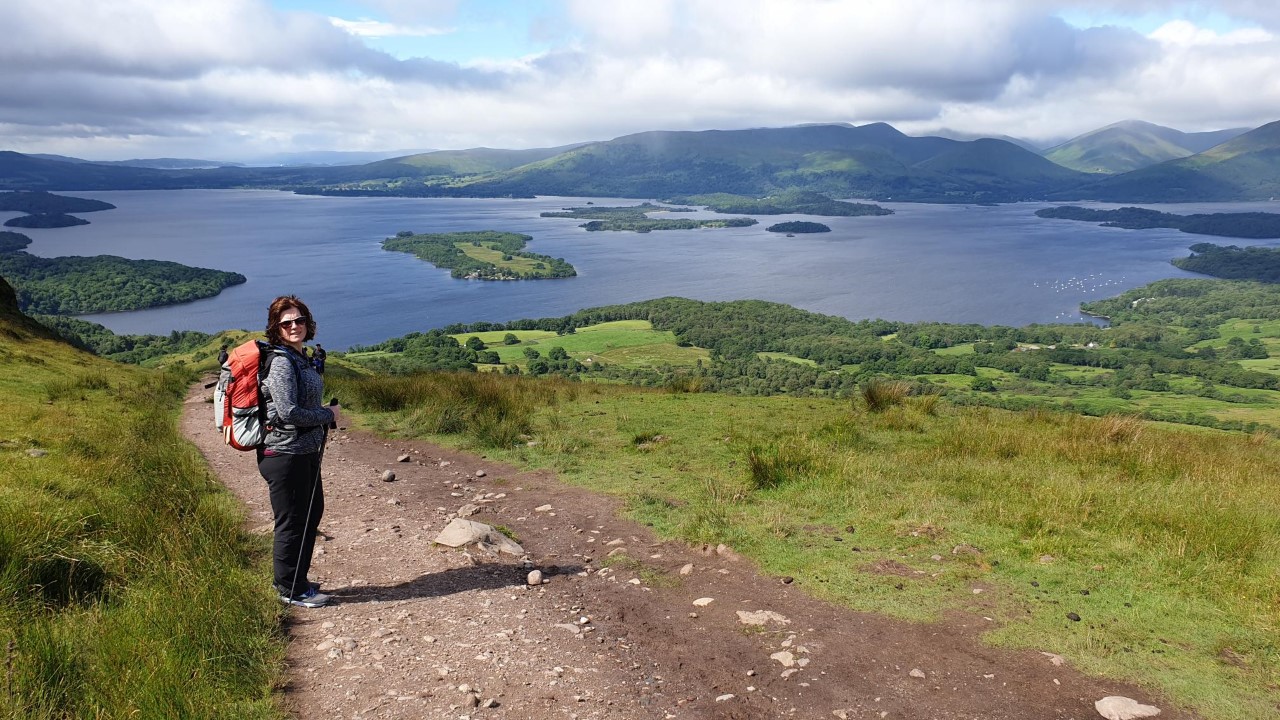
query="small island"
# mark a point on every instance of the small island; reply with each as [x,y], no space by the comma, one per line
[790,202]
[1253,225]
[798,226]
[46,210]
[39,202]
[103,283]
[45,220]
[480,255]
[636,218]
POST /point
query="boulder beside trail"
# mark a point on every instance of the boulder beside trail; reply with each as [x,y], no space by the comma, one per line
[461,532]
[1118,707]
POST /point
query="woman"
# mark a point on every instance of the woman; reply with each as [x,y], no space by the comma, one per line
[290,458]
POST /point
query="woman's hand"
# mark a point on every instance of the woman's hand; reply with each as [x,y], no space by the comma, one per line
[337,415]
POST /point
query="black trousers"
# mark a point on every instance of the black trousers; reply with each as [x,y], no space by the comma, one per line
[297,501]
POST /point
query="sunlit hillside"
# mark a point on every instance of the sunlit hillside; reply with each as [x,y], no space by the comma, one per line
[128,587]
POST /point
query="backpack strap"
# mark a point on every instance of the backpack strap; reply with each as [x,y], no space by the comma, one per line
[265,359]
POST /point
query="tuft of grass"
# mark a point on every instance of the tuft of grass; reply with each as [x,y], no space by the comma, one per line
[685,383]
[1120,428]
[927,403]
[491,410]
[878,395]
[776,463]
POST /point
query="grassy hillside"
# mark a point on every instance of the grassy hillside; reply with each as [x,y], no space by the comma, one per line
[128,587]
[1246,167]
[461,162]
[1164,543]
[1119,148]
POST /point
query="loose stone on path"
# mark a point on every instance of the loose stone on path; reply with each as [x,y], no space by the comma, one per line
[1118,707]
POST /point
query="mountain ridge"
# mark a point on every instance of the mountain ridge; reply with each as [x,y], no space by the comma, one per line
[1131,145]
[1244,168]
[874,161]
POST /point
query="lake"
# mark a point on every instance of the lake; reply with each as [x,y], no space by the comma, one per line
[949,263]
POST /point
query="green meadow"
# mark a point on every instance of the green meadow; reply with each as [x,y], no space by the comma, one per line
[513,264]
[626,343]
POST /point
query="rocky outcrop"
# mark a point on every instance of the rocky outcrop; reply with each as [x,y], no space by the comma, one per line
[13,323]
[8,298]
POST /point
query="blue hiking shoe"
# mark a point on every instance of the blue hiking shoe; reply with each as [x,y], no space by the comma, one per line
[311,598]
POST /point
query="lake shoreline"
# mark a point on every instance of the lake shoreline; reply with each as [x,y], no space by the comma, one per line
[940,263]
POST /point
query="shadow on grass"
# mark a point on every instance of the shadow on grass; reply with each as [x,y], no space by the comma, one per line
[485,576]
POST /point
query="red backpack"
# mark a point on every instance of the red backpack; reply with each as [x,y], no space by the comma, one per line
[243,417]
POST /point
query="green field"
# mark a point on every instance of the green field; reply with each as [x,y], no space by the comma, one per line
[488,254]
[787,357]
[627,343]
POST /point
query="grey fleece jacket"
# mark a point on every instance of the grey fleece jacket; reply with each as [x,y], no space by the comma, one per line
[295,410]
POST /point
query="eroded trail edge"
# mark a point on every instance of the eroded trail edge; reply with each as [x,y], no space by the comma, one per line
[419,631]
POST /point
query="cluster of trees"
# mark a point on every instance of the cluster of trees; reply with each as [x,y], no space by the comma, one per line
[444,250]
[103,283]
[135,349]
[649,225]
[1255,225]
[787,202]
[13,242]
[438,350]
[636,219]
[1196,307]
[1233,263]
[417,352]
[798,226]
[555,362]
[45,220]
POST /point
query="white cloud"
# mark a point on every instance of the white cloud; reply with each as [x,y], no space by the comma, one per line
[232,75]
[1185,33]
[365,27]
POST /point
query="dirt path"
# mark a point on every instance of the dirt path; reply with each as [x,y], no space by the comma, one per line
[423,632]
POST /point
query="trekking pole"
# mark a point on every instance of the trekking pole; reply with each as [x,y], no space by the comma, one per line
[315,483]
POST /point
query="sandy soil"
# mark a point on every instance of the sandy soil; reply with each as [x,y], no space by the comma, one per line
[419,631]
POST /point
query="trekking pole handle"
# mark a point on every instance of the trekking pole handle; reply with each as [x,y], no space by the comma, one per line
[332,402]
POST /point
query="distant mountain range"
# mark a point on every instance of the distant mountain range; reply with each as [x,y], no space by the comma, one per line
[872,161]
[1132,145]
[157,163]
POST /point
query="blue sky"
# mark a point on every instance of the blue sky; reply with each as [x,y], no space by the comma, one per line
[504,29]
[237,79]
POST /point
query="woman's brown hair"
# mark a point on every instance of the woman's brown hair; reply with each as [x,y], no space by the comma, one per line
[278,308]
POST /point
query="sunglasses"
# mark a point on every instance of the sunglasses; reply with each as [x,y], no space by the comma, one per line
[298,321]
